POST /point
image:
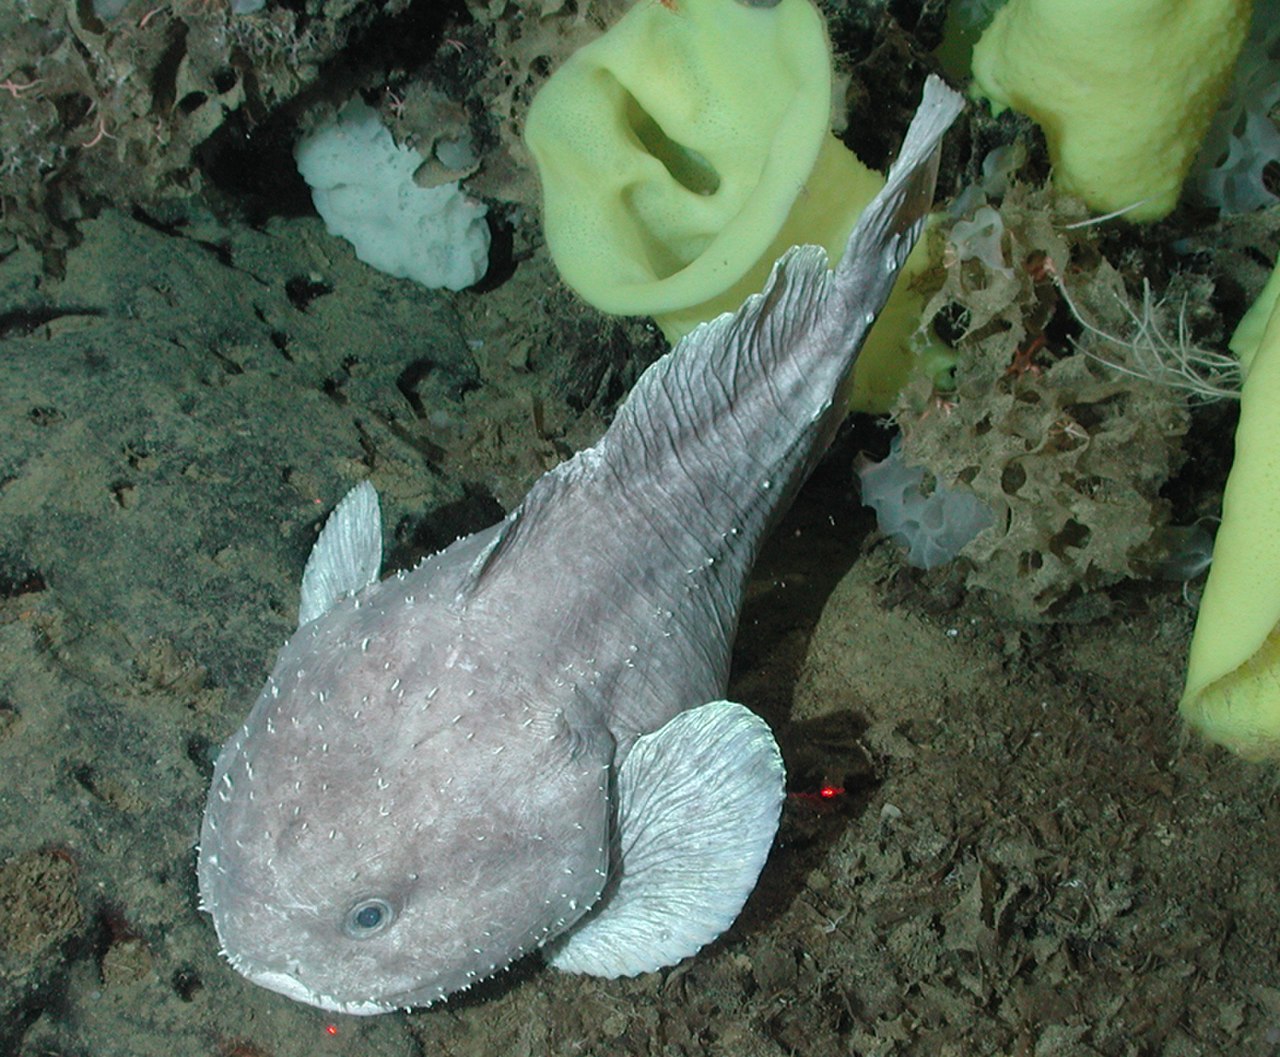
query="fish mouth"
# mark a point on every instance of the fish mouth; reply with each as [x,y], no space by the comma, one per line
[291,987]
[286,976]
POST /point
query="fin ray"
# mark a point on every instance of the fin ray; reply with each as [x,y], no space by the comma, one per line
[347,556]
[698,808]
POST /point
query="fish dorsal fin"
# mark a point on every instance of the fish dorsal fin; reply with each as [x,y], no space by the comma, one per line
[347,556]
[502,535]
[698,806]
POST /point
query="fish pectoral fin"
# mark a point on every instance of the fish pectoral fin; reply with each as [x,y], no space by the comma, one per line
[698,806]
[347,556]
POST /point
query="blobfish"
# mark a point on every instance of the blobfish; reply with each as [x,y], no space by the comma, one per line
[523,743]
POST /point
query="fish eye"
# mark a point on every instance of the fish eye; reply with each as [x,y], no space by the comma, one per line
[367,918]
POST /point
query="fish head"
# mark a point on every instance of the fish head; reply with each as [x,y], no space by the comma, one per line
[398,819]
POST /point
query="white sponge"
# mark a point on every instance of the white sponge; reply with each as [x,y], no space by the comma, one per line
[934,527]
[362,186]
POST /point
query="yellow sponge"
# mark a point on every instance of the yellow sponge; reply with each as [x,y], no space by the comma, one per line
[686,149]
[1123,89]
[1232,694]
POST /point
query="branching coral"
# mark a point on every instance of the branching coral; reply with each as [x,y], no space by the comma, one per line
[1149,351]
